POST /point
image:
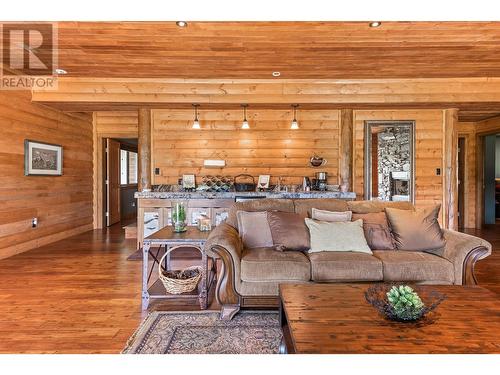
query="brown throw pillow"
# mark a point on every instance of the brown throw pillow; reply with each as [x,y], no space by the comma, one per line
[417,230]
[288,230]
[254,230]
[377,231]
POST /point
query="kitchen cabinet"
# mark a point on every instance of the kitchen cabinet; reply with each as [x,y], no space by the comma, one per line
[156,213]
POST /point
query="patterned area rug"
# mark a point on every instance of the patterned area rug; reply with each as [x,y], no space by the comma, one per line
[203,333]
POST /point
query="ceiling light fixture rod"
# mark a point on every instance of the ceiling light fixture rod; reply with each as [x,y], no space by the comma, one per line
[244,124]
[295,124]
[196,123]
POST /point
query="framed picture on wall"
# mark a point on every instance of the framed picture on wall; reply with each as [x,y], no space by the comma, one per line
[264,181]
[188,181]
[42,159]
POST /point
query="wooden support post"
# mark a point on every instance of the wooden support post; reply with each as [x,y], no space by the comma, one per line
[346,148]
[144,149]
[450,164]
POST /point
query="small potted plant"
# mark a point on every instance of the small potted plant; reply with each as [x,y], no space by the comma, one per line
[179,216]
[402,302]
[405,302]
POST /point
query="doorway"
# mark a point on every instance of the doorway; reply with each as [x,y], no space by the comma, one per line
[491,179]
[389,160]
[120,173]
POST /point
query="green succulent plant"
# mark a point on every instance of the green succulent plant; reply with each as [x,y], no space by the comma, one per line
[405,301]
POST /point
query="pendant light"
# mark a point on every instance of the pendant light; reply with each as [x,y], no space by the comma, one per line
[295,124]
[244,124]
[196,123]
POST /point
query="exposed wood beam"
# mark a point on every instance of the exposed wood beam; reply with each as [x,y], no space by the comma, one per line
[346,93]
[450,156]
[144,149]
[346,148]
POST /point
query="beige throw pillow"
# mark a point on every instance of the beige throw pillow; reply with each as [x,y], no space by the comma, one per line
[339,236]
[254,230]
[417,230]
[331,216]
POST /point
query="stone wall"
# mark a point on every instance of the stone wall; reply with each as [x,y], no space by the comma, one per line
[393,156]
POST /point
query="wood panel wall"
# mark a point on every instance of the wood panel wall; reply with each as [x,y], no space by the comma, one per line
[269,147]
[63,204]
[428,151]
[116,124]
[468,131]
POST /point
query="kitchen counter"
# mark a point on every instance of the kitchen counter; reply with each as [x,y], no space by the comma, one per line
[234,194]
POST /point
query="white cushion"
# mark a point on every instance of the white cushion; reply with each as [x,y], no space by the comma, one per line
[339,236]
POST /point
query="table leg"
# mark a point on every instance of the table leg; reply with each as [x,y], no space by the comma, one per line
[286,345]
[145,262]
[203,297]
[167,259]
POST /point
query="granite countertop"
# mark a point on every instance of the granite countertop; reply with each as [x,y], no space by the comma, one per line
[234,194]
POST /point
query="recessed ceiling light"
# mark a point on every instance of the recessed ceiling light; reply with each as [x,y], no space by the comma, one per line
[375,24]
[181,23]
[276,74]
[61,71]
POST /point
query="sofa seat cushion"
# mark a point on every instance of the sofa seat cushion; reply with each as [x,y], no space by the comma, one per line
[415,266]
[345,266]
[268,264]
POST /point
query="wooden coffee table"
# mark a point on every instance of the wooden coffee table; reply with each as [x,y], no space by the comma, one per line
[335,318]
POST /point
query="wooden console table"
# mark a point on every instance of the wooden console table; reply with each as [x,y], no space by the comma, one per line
[166,239]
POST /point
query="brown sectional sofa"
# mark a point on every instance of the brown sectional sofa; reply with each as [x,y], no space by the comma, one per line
[250,277]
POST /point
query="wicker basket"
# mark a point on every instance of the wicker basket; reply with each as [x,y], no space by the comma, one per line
[179,286]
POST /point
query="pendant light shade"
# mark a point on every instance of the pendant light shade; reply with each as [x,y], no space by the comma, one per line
[196,123]
[244,124]
[295,124]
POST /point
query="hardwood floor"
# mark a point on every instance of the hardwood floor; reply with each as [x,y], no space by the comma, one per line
[81,295]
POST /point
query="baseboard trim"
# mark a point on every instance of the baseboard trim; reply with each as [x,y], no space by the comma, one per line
[33,244]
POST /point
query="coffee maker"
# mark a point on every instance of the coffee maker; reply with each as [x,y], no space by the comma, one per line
[320,181]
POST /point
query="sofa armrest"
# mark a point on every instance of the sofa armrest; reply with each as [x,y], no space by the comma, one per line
[464,250]
[227,237]
[224,243]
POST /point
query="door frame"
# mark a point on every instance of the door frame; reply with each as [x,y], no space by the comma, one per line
[480,175]
[464,183]
[411,124]
[99,177]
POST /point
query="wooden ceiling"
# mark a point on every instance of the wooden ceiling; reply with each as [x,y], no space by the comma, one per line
[324,50]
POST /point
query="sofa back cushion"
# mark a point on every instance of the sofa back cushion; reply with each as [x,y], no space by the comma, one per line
[417,230]
[303,207]
[258,205]
[339,236]
[288,231]
[366,207]
[254,230]
[377,231]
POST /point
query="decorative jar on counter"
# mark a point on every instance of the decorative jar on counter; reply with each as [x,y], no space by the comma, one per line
[179,216]
[204,223]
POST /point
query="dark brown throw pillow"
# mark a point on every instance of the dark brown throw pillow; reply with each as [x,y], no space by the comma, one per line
[377,231]
[289,231]
[417,230]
